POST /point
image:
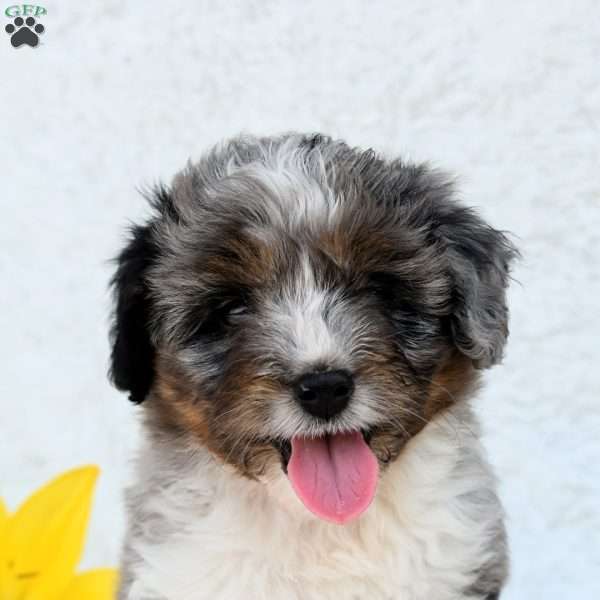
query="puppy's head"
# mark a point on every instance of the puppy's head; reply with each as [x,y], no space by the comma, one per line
[296,301]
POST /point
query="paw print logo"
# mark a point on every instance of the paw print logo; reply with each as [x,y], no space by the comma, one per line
[24,32]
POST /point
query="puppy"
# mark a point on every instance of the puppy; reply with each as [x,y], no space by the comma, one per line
[304,324]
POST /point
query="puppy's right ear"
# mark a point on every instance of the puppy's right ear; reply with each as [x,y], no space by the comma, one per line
[132,359]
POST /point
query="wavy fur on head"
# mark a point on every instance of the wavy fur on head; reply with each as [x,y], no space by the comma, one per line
[271,258]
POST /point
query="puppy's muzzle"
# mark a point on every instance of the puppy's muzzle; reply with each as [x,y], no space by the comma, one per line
[324,394]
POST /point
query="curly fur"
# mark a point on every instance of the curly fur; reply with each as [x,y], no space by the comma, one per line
[269,258]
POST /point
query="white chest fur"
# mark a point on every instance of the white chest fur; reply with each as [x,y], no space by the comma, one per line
[199,531]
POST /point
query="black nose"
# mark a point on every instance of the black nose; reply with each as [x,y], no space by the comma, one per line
[324,394]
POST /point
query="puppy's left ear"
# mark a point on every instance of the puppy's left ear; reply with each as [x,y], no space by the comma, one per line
[479,261]
[132,358]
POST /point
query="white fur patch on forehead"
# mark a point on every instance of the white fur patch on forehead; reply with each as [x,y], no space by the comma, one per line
[299,316]
[300,190]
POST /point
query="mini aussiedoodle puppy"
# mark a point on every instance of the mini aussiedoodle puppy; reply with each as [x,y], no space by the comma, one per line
[304,323]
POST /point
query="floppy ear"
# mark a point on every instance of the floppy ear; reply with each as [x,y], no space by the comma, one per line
[477,256]
[479,259]
[132,359]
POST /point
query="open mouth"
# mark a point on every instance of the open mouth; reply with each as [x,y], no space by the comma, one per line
[335,476]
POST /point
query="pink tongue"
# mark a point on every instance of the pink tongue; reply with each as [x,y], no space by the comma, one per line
[334,476]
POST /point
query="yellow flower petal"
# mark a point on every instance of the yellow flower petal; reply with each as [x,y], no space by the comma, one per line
[3,513]
[99,584]
[47,533]
[3,522]
[3,566]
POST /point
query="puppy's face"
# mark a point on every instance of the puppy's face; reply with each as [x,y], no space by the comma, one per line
[297,300]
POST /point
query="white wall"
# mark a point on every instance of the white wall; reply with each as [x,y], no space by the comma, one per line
[122,93]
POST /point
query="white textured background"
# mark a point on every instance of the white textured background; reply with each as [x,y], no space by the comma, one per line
[122,93]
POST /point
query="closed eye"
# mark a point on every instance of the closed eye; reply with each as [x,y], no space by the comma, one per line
[237,309]
[217,319]
[228,309]
[410,317]
[383,285]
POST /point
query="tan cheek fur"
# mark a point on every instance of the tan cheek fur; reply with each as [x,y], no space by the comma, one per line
[454,380]
[240,408]
[175,405]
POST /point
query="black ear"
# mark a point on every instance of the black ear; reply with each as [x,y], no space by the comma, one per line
[479,261]
[132,359]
